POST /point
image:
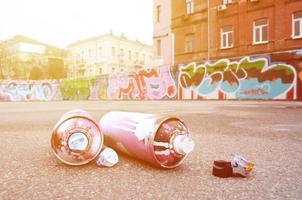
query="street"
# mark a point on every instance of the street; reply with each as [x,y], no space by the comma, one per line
[268,133]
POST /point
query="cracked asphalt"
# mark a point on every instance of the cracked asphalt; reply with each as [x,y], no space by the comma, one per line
[265,132]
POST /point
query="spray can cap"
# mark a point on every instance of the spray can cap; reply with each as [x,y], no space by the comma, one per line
[183,144]
[108,157]
[241,166]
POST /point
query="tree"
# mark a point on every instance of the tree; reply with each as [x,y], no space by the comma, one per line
[36,74]
[2,55]
[56,69]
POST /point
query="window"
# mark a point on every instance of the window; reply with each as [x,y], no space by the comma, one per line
[190,6]
[113,51]
[100,70]
[129,55]
[121,53]
[226,38]
[113,69]
[189,43]
[158,47]
[158,9]
[297,25]
[260,31]
[136,55]
[90,53]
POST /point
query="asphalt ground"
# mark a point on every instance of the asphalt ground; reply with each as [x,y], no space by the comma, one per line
[266,133]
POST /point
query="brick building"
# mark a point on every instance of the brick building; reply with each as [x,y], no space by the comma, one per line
[189,26]
[240,31]
[239,19]
[240,28]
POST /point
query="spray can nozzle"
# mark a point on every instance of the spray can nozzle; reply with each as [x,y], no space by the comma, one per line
[183,144]
[78,142]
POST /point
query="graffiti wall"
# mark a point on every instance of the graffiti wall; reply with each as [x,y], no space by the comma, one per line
[142,85]
[262,77]
[30,90]
[247,78]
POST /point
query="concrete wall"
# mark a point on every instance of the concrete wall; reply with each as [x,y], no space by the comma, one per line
[265,77]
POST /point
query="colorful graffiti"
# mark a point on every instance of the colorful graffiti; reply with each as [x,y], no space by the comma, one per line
[245,79]
[161,86]
[98,89]
[144,84]
[29,90]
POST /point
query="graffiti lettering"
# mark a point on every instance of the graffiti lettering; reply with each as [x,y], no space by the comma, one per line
[29,90]
[146,84]
[247,78]
[255,92]
[236,78]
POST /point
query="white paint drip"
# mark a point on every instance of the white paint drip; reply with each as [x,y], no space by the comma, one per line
[161,144]
[125,129]
[165,152]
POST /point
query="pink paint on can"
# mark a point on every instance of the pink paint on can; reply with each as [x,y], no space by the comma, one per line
[76,138]
[160,140]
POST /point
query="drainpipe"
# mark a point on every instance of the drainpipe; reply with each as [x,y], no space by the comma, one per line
[209,32]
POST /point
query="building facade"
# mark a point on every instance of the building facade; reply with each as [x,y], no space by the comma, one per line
[236,28]
[106,54]
[254,46]
[163,38]
[190,29]
[24,58]
[250,27]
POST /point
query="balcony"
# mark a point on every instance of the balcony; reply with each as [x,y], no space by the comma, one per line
[139,62]
[81,67]
[80,62]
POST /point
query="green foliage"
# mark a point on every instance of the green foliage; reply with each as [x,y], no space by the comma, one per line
[36,74]
[56,69]
[103,91]
[75,90]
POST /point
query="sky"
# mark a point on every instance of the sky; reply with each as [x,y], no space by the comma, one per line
[62,22]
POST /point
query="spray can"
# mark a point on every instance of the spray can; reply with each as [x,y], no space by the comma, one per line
[160,140]
[76,138]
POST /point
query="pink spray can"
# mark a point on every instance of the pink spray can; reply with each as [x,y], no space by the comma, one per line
[160,140]
[76,138]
